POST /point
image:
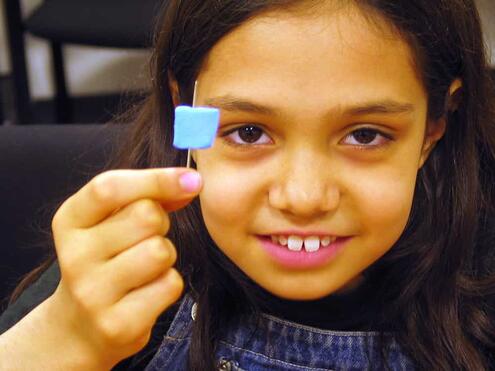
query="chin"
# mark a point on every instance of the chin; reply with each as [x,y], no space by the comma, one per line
[290,293]
[308,291]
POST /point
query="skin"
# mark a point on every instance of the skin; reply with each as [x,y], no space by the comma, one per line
[309,70]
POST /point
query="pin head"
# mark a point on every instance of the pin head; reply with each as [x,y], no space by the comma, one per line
[195,127]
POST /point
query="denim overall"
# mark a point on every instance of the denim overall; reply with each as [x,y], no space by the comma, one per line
[276,344]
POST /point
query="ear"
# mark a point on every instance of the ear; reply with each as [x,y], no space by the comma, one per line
[435,130]
[454,98]
[174,88]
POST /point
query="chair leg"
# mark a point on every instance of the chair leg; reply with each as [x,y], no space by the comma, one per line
[15,31]
[63,104]
[2,118]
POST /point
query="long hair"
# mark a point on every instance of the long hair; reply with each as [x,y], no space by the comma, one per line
[436,280]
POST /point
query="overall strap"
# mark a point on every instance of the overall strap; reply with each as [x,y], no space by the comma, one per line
[174,350]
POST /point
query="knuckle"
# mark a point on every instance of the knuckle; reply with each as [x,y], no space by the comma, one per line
[149,215]
[72,259]
[172,251]
[169,288]
[69,273]
[174,284]
[178,282]
[83,297]
[143,339]
[59,216]
[166,223]
[103,187]
[67,261]
[157,247]
[56,220]
[112,330]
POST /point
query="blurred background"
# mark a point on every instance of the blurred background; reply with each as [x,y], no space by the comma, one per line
[487,12]
[103,46]
[95,76]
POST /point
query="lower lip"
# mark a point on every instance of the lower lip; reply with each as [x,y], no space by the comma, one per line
[302,259]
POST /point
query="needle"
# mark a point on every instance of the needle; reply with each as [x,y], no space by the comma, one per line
[194,105]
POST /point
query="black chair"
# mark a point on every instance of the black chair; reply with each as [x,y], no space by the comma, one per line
[105,23]
[1,107]
[40,166]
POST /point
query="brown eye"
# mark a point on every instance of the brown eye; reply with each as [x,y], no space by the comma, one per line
[247,136]
[250,134]
[368,138]
[365,136]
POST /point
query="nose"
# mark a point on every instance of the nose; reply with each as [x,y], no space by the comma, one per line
[304,185]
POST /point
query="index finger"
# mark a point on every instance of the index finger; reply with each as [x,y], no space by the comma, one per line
[114,189]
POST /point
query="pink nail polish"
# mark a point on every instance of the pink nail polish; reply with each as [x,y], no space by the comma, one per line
[190,181]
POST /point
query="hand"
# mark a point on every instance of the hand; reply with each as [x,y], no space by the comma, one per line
[115,263]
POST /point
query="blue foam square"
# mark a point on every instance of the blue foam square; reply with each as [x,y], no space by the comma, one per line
[195,127]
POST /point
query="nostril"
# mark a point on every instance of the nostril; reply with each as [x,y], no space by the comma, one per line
[304,198]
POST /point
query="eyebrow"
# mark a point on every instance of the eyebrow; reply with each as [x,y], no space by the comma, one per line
[387,106]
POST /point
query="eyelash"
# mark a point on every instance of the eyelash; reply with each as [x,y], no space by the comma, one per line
[386,137]
[236,130]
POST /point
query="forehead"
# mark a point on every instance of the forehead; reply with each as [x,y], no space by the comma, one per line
[327,54]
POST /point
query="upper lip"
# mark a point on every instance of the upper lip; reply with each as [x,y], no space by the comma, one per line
[302,233]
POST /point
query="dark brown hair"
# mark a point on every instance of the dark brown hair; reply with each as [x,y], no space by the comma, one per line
[438,279]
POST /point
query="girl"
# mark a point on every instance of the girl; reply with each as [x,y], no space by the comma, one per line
[343,211]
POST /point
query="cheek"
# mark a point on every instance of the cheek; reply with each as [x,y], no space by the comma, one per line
[383,204]
[229,200]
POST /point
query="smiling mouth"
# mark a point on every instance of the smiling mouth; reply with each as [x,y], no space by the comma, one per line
[302,252]
[300,243]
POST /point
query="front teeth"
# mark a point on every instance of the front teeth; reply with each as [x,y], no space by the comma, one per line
[296,243]
[311,244]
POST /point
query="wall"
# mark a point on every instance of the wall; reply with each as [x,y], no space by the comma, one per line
[487,12]
[89,70]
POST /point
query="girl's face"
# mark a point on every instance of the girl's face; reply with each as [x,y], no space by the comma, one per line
[322,132]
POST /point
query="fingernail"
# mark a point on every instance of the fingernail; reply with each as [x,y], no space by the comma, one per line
[190,181]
